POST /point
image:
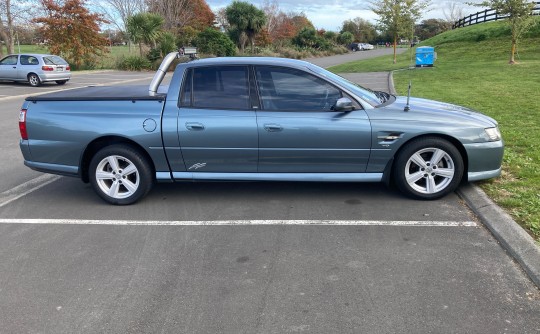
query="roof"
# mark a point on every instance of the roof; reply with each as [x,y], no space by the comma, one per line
[250,61]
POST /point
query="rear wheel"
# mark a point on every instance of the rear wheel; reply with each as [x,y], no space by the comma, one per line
[34,80]
[61,82]
[428,168]
[120,174]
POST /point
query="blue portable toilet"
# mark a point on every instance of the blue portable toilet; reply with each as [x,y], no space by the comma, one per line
[425,56]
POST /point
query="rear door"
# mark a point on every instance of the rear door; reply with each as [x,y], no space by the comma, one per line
[298,130]
[8,67]
[217,126]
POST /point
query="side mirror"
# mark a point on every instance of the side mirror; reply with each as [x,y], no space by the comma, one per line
[344,104]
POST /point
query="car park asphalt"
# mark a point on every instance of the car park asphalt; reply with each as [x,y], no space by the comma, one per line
[247,257]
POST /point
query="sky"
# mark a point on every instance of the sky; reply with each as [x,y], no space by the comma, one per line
[330,14]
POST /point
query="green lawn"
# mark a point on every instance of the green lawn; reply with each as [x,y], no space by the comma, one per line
[472,70]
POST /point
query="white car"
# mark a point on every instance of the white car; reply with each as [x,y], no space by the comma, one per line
[365,46]
[35,69]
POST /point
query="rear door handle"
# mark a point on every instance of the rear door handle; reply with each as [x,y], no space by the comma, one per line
[194,126]
[273,127]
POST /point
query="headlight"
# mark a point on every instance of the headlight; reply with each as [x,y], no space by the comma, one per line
[493,134]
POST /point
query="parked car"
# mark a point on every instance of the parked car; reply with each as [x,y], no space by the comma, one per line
[35,69]
[360,46]
[255,119]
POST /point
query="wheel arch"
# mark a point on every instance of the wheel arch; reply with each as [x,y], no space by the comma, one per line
[97,144]
[389,169]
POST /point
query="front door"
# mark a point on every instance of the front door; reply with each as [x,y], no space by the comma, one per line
[298,130]
[8,68]
[217,127]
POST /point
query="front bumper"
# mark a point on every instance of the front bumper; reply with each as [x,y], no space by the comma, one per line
[484,160]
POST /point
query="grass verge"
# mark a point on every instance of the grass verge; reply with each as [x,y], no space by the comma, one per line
[472,70]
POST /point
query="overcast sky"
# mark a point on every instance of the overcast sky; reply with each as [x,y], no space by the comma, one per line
[330,14]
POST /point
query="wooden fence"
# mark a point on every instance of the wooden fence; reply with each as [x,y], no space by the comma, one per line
[486,16]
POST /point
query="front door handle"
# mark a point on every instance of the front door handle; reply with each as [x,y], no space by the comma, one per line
[273,127]
[193,126]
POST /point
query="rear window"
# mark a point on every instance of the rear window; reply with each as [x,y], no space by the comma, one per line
[219,87]
[54,60]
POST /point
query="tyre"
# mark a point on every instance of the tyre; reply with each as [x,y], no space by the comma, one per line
[428,168]
[120,174]
[61,82]
[34,80]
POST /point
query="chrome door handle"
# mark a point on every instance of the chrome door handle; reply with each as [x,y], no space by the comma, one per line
[273,127]
[193,126]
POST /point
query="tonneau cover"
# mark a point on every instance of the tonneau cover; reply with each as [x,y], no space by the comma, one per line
[100,93]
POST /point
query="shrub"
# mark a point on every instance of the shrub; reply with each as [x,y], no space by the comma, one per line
[133,63]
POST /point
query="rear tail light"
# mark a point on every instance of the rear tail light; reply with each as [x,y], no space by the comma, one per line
[47,68]
[22,124]
[68,68]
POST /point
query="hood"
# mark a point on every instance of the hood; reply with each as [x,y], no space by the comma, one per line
[438,109]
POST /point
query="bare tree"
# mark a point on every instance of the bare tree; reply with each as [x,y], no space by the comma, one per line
[7,28]
[174,12]
[453,11]
[118,11]
[272,12]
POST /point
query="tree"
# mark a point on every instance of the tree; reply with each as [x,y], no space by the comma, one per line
[431,27]
[453,12]
[519,19]
[118,11]
[72,31]
[345,38]
[178,14]
[397,17]
[247,19]
[211,41]
[144,28]
[362,30]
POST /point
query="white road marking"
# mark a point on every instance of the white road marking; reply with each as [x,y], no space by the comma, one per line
[26,188]
[242,222]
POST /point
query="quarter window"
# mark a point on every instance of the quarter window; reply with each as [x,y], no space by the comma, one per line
[219,87]
[286,89]
[29,60]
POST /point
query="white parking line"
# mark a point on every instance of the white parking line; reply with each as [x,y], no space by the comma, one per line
[242,222]
[26,188]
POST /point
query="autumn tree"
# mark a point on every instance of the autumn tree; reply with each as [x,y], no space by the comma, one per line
[118,11]
[397,17]
[519,18]
[178,14]
[247,19]
[70,30]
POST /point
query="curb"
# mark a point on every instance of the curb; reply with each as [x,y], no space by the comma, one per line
[512,237]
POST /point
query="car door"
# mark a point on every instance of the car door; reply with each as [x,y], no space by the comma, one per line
[27,64]
[298,130]
[8,67]
[217,126]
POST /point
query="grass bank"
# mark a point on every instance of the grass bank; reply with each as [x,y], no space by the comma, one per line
[472,70]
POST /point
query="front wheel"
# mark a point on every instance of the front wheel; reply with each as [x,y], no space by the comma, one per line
[120,175]
[428,168]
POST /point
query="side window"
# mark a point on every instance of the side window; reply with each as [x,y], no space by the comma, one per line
[218,87]
[286,89]
[9,60]
[29,60]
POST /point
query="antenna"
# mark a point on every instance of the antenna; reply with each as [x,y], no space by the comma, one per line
[407,106]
